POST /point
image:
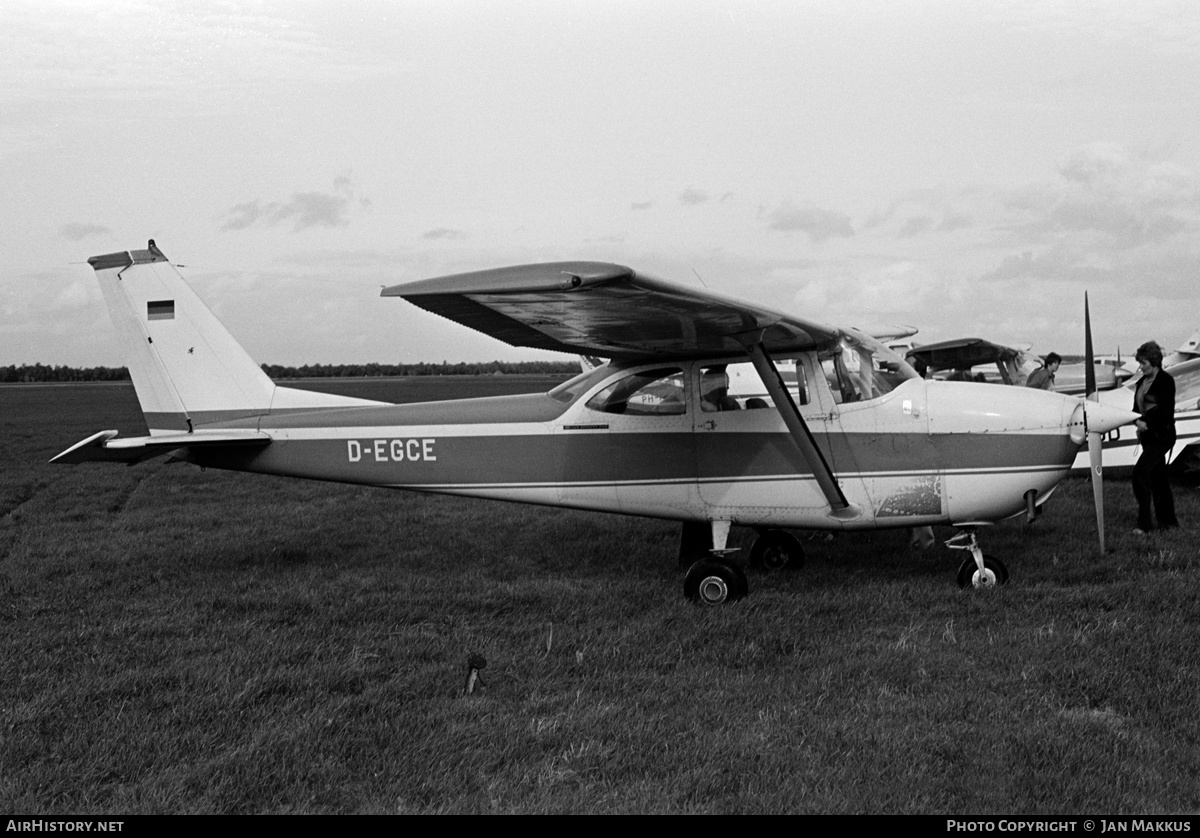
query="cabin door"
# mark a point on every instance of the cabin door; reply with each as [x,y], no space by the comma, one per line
[749,468]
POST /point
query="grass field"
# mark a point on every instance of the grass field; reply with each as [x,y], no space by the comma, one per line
[186,641]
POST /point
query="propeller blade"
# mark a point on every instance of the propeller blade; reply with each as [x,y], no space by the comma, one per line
[1095,445]
[1096,460]
[1089,359]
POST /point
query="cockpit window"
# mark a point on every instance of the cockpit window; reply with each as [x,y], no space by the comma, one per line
[648,393]
[860,368]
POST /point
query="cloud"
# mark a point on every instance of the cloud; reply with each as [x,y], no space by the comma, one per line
[1103,201]
[182,51]
[955,221]
[818,224]
[304,210]
[692,196]
[77,231]
[1095,162]
[1123,226]
[443,233]
[916,226]
[1015,267]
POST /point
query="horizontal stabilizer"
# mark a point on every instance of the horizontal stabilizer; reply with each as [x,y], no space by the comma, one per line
[105,447]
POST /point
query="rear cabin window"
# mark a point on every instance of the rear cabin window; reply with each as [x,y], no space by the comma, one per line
[657,392]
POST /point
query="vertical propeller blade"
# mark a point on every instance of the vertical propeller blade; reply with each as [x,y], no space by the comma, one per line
[1096,461]
[1095,447]
[1089,358]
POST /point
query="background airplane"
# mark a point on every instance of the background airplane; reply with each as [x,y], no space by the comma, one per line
[863,442]
[1187,351]
[1121,448]
[976,359]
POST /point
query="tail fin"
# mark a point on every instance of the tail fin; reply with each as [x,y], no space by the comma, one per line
[1190,348]
[188,370]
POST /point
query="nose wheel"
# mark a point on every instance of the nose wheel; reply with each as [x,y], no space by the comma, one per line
[979,571]
[992,574]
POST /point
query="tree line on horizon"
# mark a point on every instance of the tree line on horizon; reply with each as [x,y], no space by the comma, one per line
[45,373]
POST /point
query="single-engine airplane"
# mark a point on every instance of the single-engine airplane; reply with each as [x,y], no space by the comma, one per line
[957,360]
[1189,350]
[865,443]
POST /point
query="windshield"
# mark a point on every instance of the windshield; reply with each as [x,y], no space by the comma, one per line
[860,368]
[570,389]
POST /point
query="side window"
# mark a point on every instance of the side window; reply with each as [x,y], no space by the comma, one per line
[747,389]
[795,378]
[714,390]
[647,393]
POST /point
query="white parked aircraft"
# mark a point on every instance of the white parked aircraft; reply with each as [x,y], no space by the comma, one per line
[859,442]
[1121,448]
[976,359]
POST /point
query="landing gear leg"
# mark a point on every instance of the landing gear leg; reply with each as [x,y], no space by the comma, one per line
[979,571]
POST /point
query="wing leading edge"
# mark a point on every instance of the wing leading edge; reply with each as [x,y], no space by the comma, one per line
[596,308]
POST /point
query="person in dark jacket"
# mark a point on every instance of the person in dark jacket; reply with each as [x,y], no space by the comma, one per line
[1043,377]
[1154,399]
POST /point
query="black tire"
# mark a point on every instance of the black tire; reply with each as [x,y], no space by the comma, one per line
[995,573]
[714,582]
[776,550]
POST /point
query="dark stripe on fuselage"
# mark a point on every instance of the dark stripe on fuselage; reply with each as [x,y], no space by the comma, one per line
[442,459]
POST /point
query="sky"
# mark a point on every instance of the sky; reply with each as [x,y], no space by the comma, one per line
[970,169]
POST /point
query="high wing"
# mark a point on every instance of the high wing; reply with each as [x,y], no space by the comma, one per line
[596,308]
[889,332]
[962,353]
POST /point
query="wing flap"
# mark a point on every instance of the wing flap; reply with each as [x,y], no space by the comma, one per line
[596,308]
[106,447]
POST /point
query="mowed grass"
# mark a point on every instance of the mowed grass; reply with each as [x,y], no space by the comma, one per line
[185,641]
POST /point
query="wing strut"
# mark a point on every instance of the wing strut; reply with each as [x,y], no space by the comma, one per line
[767,371]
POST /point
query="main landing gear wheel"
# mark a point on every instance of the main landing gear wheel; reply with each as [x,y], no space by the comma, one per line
[714,582]
[776,550]
[994,573]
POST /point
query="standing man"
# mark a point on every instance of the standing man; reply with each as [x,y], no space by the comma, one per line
[1043,377]
[1154,398]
